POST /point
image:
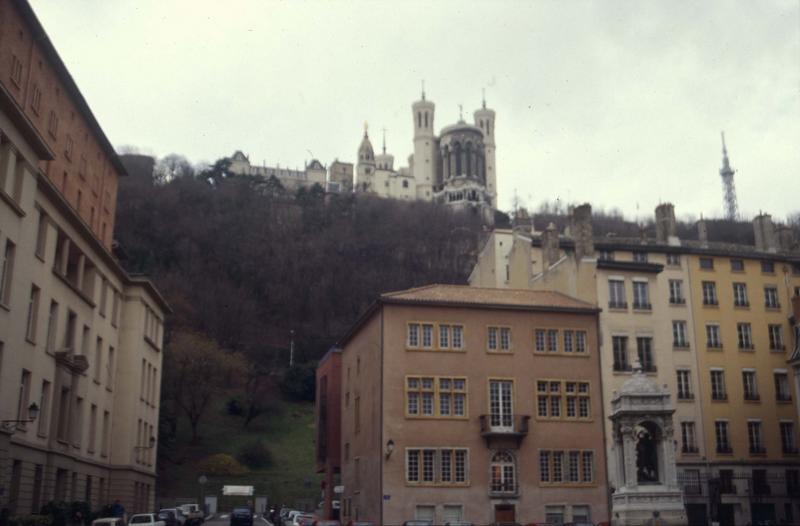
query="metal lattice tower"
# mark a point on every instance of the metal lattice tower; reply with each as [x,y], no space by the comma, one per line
[726,172]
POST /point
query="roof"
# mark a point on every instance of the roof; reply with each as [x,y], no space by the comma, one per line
[49,51]
[462,295]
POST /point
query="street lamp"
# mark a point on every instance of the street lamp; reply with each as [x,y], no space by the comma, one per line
[11,425]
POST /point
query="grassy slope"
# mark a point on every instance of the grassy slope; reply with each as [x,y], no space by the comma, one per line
[289,434]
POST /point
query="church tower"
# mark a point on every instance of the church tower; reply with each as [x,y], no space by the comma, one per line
[484,119]
[365,168]
[424,159]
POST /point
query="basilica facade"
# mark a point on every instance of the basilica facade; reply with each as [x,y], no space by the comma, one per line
[455,167]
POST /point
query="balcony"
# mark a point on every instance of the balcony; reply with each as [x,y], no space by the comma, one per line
[638,305]
[741,303]
[725,450]
[710,301]
[690,450]
[727,487]
[618,305]
[677,301]
[759,488]
[752,397]
[782,397]
[504,489]
[758,450]
[509,429]
[621,367]
[790,450]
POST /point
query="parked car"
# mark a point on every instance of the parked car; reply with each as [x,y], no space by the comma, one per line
[326,523]
[146,519]
[171,516]
[241,516]
[192,513]
[304,519]
[109,521]
[289,521]
[418,522]
[359,523]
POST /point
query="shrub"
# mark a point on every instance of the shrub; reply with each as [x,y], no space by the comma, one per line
[31,520]
[298,382]
[222,464]
[58,511]
[256,455]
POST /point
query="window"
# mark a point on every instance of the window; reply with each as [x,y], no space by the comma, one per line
[554,514]
[503,473]
[782,392]
[115,307]
[641,297]
[579,468]
[448,466]
[750,385]
[23,397]
[713,339]
[33,314]
[771,297]
[674,260]
[110,369]
[104,437]
[458,337]
[444,397]
[707,263]
[98,359]
[710,293]
[640,257]
[68,148]
[580,515]
[616,294]
[788,443]
[52,124]
[38,480]
[557,399]
[679,339]
[92,428]
[620,348]
[6,272]
[737,265]
[36,99]
[580,342]
[69,335]
[685,384]
[574,342]
[740,295]
[644,348]
[357,414]
[498,338]
[688,437]
[16,71]
[539,340]
[676,292]
[427,335]
[745,334]
[501,404]
[63,415]
[718,385]
[722,438]
[754,437]
[767,267]
[77,428]
[568,339]
[776,337]
[44,408]
[606,255]
[552,340]
[413,335]
[41,235]
[103,296]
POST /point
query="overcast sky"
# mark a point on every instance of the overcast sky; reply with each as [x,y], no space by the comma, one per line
[620,103]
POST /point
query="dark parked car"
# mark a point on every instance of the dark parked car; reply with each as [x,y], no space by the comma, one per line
[241,517]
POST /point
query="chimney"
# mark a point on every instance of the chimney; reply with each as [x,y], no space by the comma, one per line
[581,228]
[702,232]
[522,222]
[550,245]
[764,233]
[785,238]
[665,224]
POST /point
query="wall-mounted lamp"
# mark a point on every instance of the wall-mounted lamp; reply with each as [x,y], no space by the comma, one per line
[389,448]
[11,425]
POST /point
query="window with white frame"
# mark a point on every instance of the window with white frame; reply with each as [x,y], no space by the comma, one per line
[413,335]
[722,437]
[427,335]
[6,272]
[503,473]
[740,295]
[710,293]
[616,294]
[754,436]
[676,292]
[444,397]
[750,385]
[619,345]
[674,260]
[644,348]
[788,441]
[568,341]
[684,384]
[688,437]
[580,342]
[718,391]
[713,338]
[776,337]
[498,338]
[640,257]
[744,333]
[552,340]
[771,297]
[33,314]
[641,295]
[447,466]
[782,390]
[570,467]
[679,338]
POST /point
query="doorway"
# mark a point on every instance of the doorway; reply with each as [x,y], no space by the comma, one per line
[504,513]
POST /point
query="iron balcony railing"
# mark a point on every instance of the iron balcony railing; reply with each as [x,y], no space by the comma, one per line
[499,425]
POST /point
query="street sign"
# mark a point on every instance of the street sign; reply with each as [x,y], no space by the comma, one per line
[242,491]
[202,479]
[338,489]
[387,497]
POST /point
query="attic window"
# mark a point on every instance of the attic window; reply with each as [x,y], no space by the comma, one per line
[606,255]
[640,257]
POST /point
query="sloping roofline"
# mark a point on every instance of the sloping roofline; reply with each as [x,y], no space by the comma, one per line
[64,76]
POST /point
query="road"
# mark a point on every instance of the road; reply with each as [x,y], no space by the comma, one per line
[223,519]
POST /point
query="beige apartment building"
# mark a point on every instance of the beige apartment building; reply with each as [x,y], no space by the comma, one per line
[477,405]
[651,292]
[80,340]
